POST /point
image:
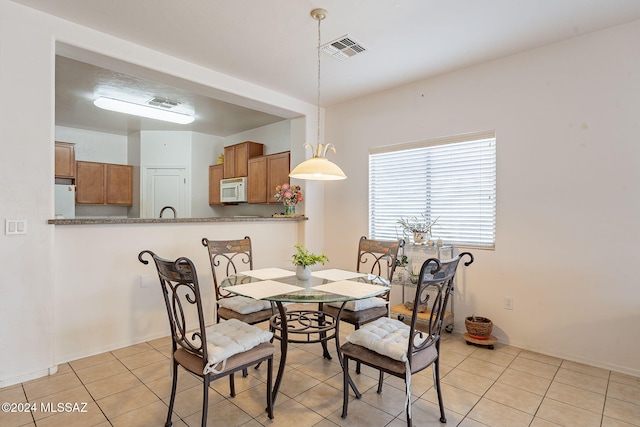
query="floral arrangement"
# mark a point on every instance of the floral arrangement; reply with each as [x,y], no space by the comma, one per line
[306,258]
[417,225]
[288,194]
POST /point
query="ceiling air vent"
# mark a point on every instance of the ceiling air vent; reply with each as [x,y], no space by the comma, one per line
[343,48]
[163,103]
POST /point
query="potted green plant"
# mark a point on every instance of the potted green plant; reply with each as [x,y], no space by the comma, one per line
[303,260]
[420,228]
[401,266]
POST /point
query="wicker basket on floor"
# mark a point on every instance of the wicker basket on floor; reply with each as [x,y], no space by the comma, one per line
[478,327]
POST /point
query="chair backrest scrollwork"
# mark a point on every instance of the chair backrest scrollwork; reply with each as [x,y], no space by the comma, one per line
[179,282]
[378,256]
[433,290]
[228,257]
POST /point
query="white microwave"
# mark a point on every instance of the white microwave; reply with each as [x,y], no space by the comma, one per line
[233,190]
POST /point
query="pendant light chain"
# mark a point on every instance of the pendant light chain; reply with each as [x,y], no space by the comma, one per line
[319,41]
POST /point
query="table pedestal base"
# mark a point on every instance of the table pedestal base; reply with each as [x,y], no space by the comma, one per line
[301,327]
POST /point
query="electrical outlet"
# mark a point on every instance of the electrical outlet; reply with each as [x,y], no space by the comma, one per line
[508,303]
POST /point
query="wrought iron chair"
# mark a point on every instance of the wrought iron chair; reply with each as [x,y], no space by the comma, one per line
[208,359]
[401,350]
[230,257]
[376,257]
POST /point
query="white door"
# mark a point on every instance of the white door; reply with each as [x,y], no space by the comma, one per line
[166,187]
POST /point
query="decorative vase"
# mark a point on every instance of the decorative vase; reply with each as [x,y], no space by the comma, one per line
[289,209]
[303,272]
[419,237]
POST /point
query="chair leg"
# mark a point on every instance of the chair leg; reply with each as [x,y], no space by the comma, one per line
[232,386]
[269,390]
[205,399]
[245,373]
[380,380]
[172,400]
[408,410]
[345,385]
[436,381]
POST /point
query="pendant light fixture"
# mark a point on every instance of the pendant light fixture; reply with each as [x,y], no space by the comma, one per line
[318,167]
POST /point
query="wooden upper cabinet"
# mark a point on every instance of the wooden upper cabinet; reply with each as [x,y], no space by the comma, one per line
[119,185]
[265,173]
[229,162]
[65,160]
[90,182]
[216,173]
[278,167]
[257,180]
[104,184]
[236,158]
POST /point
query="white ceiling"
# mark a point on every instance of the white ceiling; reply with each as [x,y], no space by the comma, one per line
[273,43]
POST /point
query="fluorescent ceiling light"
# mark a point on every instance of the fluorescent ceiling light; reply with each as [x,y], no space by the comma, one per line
[142,110]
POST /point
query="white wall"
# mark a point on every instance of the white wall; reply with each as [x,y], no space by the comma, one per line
[27,56]
[26,191]
[276,137]
[91,146]
[204,149]
[568,203]
[111,308]
[133,155]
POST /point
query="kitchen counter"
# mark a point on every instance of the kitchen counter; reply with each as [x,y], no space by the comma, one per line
[81,221]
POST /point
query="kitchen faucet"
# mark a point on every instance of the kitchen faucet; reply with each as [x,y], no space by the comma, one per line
[168,207]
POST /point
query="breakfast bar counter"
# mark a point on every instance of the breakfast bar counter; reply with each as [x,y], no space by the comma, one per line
[225,219]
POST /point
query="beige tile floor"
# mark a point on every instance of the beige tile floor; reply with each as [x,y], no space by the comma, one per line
[502,387]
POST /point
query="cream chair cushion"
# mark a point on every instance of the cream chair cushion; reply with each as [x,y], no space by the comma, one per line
[361,304]
[386,336]
[229,338]
[244,305]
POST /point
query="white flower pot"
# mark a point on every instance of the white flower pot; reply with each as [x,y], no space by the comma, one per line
[303,272]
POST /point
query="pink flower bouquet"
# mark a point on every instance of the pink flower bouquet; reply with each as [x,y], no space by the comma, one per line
[288,194]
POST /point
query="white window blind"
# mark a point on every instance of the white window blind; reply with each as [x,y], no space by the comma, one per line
[452,179]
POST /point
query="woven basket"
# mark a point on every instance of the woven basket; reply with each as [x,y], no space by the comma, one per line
[478,327]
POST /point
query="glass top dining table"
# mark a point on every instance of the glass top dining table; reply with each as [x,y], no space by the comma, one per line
[309,324]
[280,285]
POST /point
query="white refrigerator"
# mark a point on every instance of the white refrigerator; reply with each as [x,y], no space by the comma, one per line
[65,196]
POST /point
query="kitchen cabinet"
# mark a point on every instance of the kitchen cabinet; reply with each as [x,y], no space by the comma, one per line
[119,186]
[265,173]
[104,184]
[216,173]
[236,158]
[257,180]
[65,155]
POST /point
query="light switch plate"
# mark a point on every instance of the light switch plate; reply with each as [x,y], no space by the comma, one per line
[15,226]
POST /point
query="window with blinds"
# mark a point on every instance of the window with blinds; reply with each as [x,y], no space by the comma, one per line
[451,179]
